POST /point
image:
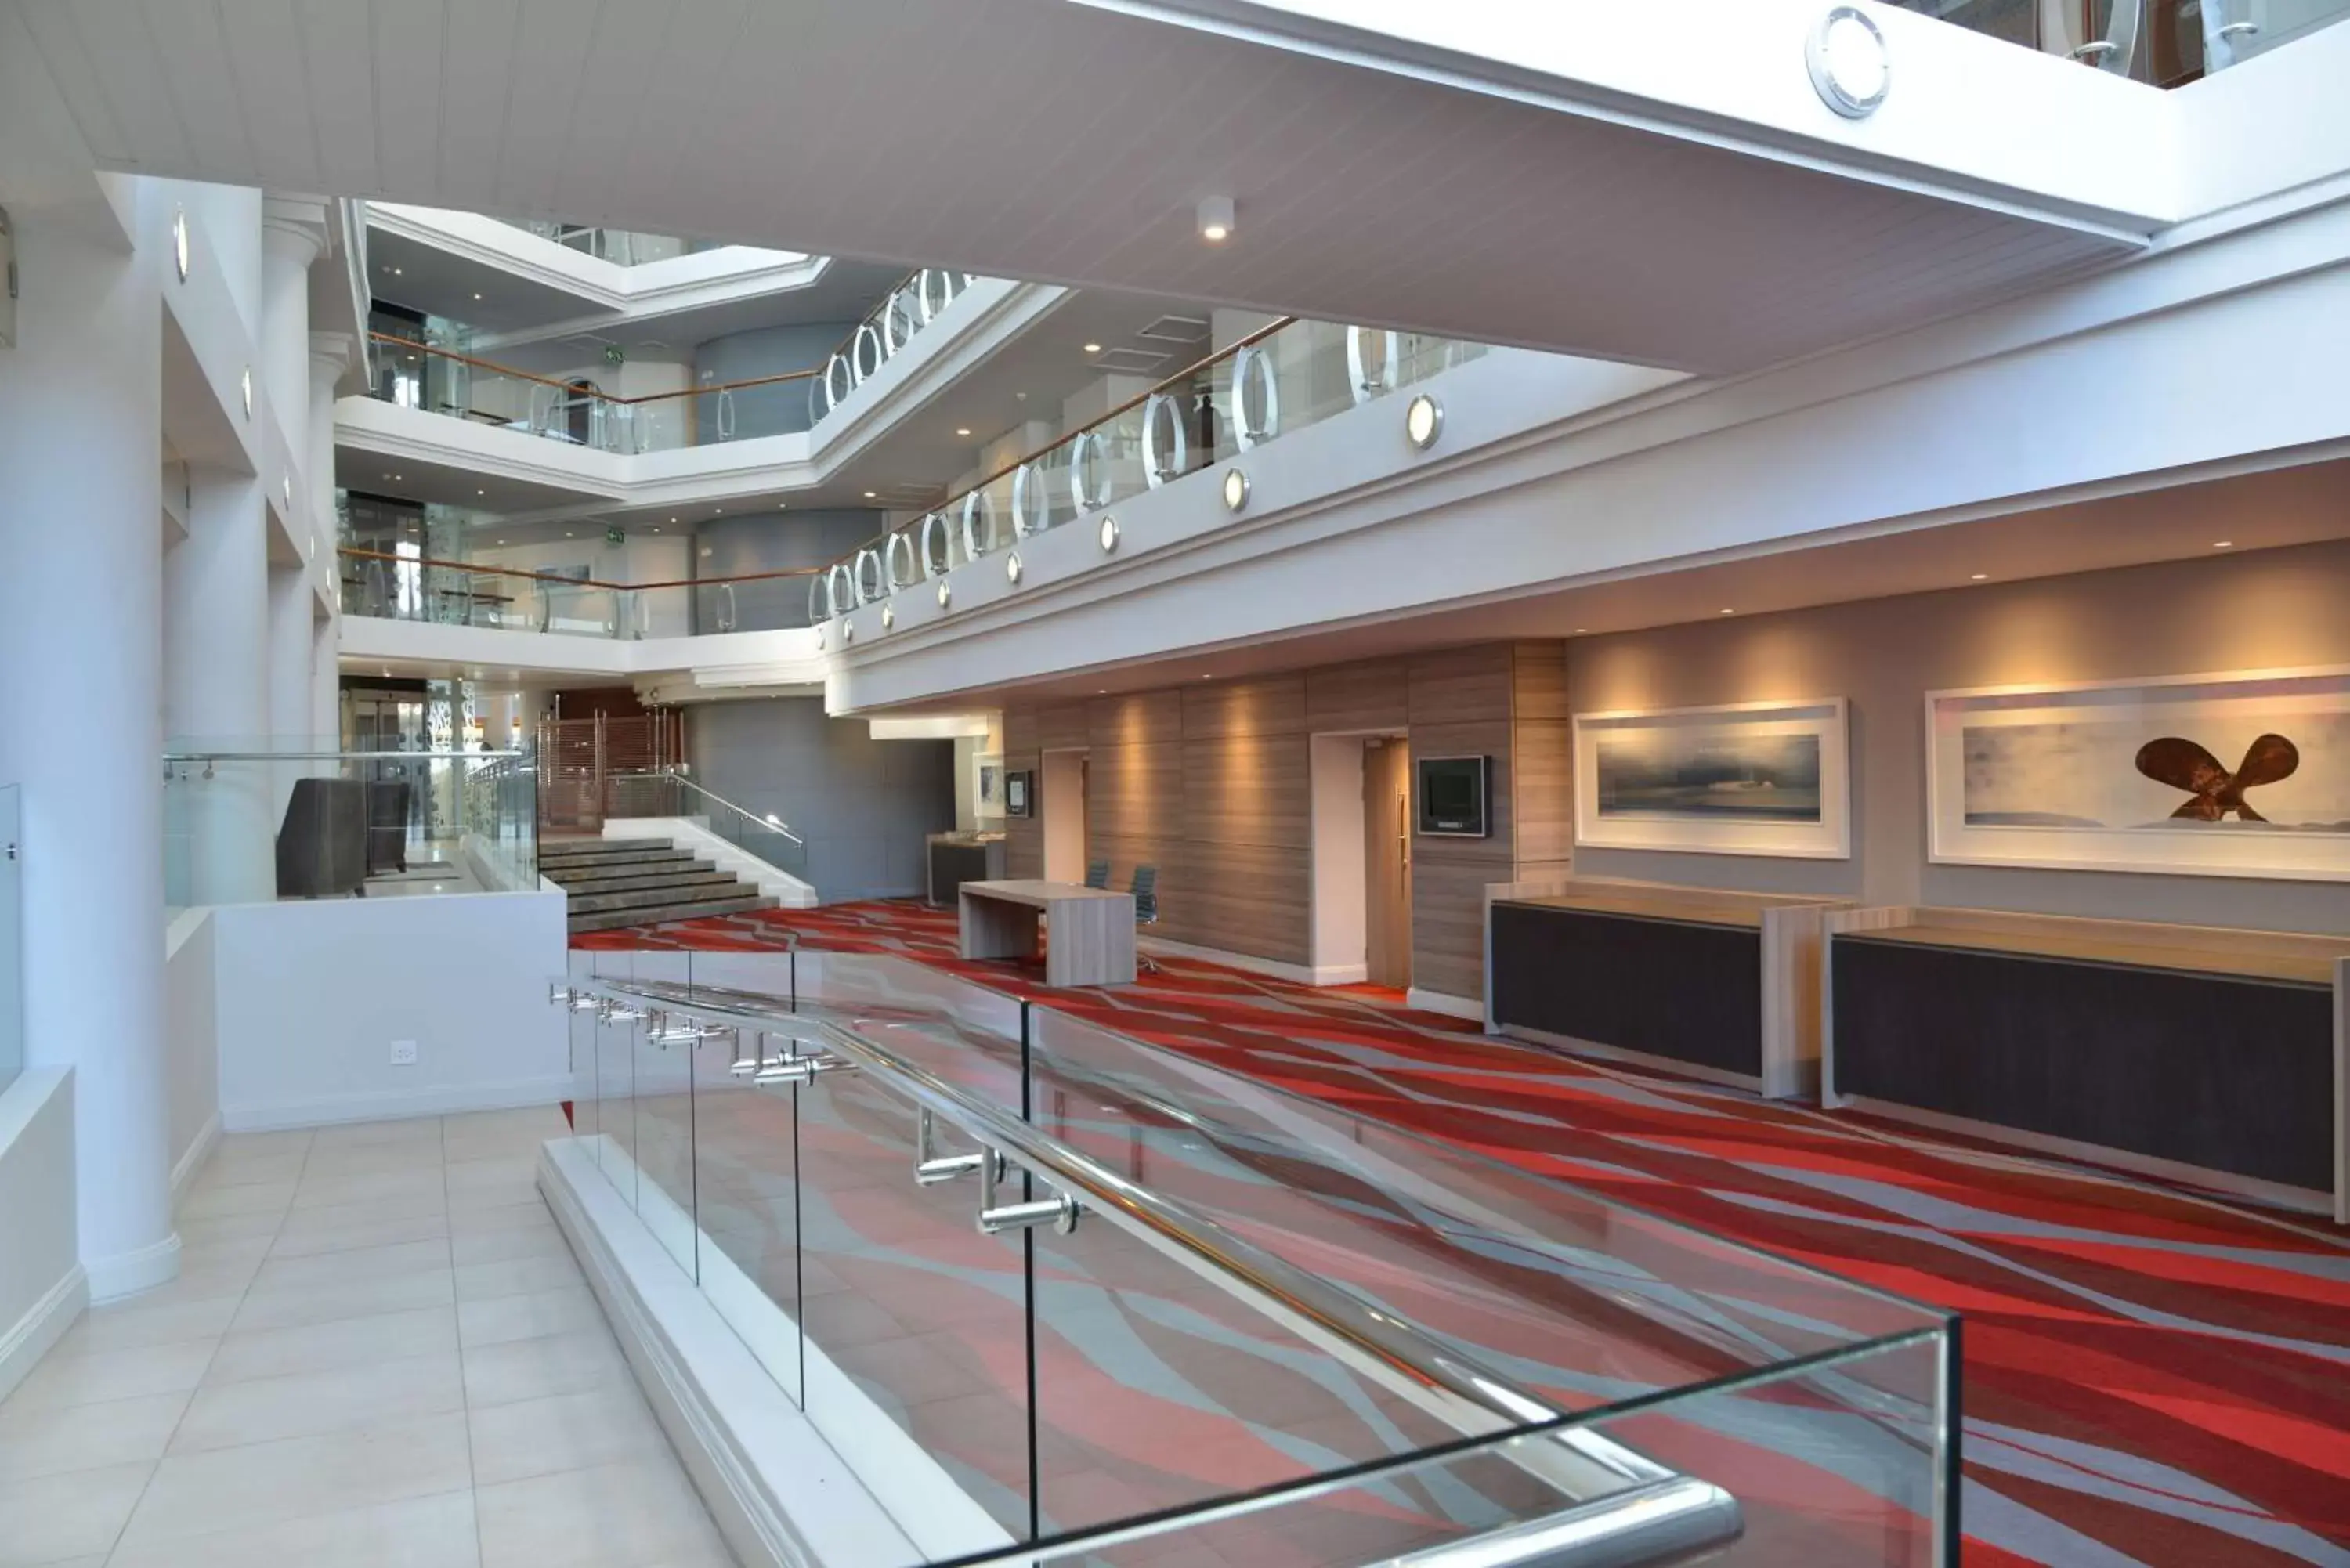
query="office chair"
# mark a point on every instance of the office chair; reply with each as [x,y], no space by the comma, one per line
[1146,909]
[1098,874]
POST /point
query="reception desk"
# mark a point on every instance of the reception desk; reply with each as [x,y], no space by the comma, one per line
[955,859]
[1722,985]
[2211,1055]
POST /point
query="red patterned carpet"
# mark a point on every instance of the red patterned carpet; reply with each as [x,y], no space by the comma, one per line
[2152,1376]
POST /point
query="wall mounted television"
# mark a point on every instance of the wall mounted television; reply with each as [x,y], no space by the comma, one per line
[1456,796]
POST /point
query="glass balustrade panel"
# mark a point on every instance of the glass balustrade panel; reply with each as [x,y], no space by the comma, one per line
[616,1073]
[663,1078]
[586,1098]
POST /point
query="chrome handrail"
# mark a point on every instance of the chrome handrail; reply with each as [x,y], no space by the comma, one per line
[1465,1394]
[339,756]
[764,823]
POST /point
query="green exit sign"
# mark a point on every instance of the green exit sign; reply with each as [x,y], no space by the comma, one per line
[615,537]
[612,354]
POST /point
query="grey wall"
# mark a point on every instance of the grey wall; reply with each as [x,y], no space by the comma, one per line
[772,541]
[862,804]
[2262,609]
[768,351]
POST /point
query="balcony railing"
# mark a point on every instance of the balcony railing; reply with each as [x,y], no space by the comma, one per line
[2165,42]
[389,587]
[1281,378]
[577,413]
[947,1217]
[621,247]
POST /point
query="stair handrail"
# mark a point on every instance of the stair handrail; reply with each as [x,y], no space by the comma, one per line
[766,822]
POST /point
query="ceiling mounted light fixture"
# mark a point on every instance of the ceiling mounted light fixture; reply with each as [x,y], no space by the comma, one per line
[1423,421]
[1849,66]
[961,430]
[1108,534]
[1093,348]
[179,240]
[1012,568]
[245,385]
[945,598]
[1236,490]
[1216,220]
[889,616]
[868,495]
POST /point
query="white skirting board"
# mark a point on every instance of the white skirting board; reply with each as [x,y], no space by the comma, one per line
[30,1337]
[1450,1006]
[191,1159]
[443,1101]
[780,1490]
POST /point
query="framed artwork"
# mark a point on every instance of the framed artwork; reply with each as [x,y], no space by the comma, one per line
[987,785]
[2243,774]
[1757,778]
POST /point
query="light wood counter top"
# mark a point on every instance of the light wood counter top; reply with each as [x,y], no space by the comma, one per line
[1698,906]
[2297,958]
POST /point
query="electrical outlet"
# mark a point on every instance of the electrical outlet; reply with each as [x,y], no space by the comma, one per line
[404,1052]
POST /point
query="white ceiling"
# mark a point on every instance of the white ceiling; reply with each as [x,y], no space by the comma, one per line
[1067,143]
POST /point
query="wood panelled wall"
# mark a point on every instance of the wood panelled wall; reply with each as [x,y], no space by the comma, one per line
[1209,782]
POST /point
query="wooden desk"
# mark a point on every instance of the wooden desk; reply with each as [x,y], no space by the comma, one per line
[2214,1055]
[1709,982]
[1090,931]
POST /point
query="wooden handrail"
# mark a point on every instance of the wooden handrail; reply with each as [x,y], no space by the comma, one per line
[574,388]
[478,567]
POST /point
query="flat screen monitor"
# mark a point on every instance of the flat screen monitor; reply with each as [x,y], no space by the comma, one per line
[1454,796]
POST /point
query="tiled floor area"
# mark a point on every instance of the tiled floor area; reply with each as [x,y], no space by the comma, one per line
[379,1353]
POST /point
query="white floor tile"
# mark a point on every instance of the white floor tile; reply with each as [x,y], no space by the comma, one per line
[56,1517]
[538,1368]
[238,1145]
[502,1319]
[351,1135]
[516,1277]
[475,1219]
[421,1532]
[420,1204]
[316,1231]
[297,1478]
[610,1425]
[76,1374]
[323,1346]
[616,1516]
[542,1241]
[36,1441]
[242,1169]
[172,1320]
[260,1198]
[196,1230]
[414,1185]
[368,1394]
[402,1293]
[352,1266]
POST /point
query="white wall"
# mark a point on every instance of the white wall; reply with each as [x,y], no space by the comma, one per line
[41,1287]
[191,1042]
[311,995]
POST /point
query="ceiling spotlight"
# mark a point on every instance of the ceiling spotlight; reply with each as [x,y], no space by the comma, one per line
[395,271]
[2223,543]
[1093,348]
[477,297]
[502,541]
[395,479]
[1730,612]
[655,530]
[1236,489]
[1423,421]
[1978,576]
[1216,220]
[868,495]
[962,431]
[481,493]
[569,534]
[1581,630]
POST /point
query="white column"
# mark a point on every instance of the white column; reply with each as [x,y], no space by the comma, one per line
[293,236]
[330,355]
[80,689]
[216,685]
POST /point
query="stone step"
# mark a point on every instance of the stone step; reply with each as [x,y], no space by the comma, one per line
[563,867]
[627,879]
[585,847]
[683,890]
[614,920]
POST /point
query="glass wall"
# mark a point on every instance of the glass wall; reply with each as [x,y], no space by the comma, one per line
[1105,1295]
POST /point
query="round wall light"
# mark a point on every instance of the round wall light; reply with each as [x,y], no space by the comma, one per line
[1236,488]
[1108,534]
[1012,567]
[245,385]
[285,489]
[179,240]
[848,632]
[1850,68]
[889,616]
[819,637]
[1423,421]
[945,598]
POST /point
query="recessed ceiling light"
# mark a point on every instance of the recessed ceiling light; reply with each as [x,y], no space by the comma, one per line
[1093,348]
[1978,576]
[655,530]
[477,297]
[395,271]
[1216,220]
[868,495]
[481,493]
[1730,612]
[1581,630]
[2223,543]
[395,477]
[502,541]
[715,510]
[962,430]
[569,534]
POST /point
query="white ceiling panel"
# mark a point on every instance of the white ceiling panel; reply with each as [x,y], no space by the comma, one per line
[1071,143]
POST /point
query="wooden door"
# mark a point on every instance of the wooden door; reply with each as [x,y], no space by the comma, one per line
[1386,863]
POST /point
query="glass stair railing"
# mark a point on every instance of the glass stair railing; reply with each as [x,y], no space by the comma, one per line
[1127,1307]
[1281,378]
[669,792]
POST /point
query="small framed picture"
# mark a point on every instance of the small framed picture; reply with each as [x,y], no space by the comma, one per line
[987,785]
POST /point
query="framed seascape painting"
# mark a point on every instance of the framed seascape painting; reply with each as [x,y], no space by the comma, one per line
[2245,773]
[1761,778]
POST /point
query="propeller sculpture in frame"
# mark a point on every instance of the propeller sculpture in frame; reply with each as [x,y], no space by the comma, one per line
[2212,791]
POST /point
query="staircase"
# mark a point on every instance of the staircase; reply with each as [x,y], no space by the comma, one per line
[615,882]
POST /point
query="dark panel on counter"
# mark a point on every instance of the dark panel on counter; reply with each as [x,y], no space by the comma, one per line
[2229,1074]
[1672,987]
